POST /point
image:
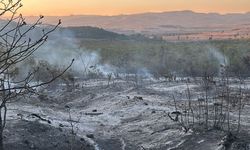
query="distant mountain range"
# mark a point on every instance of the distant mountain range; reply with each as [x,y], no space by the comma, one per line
[71,32]
[154,23]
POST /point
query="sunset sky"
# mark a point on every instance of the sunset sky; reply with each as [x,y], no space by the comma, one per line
[116,7]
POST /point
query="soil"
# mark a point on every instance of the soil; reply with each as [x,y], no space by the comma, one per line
[32,135]
[121,116]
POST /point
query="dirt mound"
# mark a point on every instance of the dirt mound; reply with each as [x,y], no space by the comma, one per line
[27,135]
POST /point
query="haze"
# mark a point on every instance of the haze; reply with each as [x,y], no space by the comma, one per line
[116,7]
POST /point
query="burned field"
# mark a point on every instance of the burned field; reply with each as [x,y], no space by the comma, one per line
[188,113]
[188,95]
[74,88]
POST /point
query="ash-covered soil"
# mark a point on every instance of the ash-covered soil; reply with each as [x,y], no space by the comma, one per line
[32,135]
[121,116]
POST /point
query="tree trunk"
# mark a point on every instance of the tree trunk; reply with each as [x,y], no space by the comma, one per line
[1,140]
[1,131]
[239,117]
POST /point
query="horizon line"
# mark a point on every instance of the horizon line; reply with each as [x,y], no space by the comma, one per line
[146,12]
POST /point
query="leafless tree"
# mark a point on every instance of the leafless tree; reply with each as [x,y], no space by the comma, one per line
[190,109]
[240,106]
[74,129]
[15,47]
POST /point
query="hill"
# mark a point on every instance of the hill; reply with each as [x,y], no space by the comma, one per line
[155,23]
[88,32]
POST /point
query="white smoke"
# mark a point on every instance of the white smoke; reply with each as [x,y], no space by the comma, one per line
[144,72]
[221,58]
[62,47]
[107,69]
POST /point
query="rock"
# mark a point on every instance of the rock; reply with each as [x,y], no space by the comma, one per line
[67,106]
[20,115]
[49,122]
[67,141]
[138,97]
[26,142]
[60,129]
[55,144]
[32,146]
[91,136]
[43,97]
